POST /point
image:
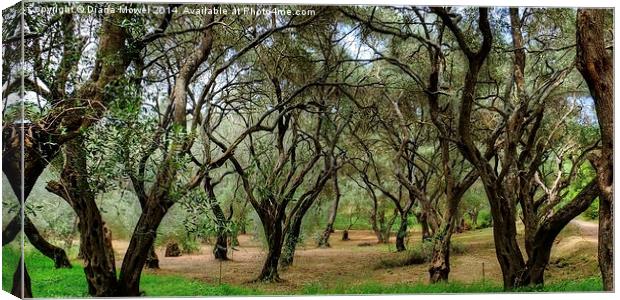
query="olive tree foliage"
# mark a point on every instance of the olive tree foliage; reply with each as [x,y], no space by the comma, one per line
[286,167]
[161,58]
[414,53]
[518,144]
[531,109]
[68,83]
[198,99]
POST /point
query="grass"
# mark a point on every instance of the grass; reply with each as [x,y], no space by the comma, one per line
[417,254]
[49,283]
[370,288]
[363,223]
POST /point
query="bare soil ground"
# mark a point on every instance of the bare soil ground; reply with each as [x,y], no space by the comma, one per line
[348,263]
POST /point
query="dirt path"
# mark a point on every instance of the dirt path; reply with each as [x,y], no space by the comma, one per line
[588,229]
[347,263]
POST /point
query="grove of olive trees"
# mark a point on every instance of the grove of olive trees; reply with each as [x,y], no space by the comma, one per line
[226,145]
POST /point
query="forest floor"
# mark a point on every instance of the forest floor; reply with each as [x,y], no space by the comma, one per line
[360,261]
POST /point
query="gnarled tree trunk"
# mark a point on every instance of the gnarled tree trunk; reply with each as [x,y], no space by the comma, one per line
[58,255]
[291,240]
[440,261]
[402,233]
[220,249]
[596,65]
[139,246]
[426,232]
[275,238]
[95,244]
[333,212]
[152,261]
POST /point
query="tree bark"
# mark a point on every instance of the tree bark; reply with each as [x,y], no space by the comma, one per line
[426,232]
[12,229]
[333,212]
[141,243]
[538,255]
[274,234]
[152,261]
[220,250]
[440,262]
[293,229]
[291,240]
[596,66]
[21,289]
[58,255]
[401,234]
[95,238]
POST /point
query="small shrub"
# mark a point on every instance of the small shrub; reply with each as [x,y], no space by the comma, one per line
[485,220]
[592,212]
[416,255]
[457,247]
[173,250]
[189,245]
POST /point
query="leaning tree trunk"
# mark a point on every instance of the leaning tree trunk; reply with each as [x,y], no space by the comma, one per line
[36,156]
[141,242]
[152,261]
[507,249]
[440,262]
[57,254]
[596,65]
[426,232]
[539,249]
[220,250]
[272,226]
[402,233]
[333,212]
[21,289]
[95,238]
[290,242]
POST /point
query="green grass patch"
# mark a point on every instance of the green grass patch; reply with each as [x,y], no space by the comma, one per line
[342,222]
[592,284]
[49,282]
[417,254]
[373,288]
